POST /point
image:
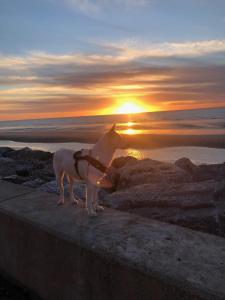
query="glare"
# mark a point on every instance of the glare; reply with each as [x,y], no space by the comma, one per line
[129,131]
[130,107]
[129,124]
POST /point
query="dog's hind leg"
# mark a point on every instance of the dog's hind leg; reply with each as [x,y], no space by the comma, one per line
[90,198]
[71,182]
[60,177]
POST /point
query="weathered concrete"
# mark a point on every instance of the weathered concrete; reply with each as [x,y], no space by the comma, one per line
[11,191]
[62,254]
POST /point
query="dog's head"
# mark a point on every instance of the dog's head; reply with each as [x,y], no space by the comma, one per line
[115,139]
[110,179]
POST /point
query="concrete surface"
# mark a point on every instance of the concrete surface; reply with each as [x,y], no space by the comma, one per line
[62,254]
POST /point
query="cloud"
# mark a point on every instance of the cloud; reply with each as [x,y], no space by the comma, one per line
[95,6]
[78,83]
[130,50]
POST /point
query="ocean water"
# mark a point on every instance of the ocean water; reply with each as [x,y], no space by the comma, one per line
[190,122]
[198,155]
[199,121]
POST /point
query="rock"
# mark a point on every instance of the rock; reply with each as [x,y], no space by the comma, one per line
[6,160]
[5,150]
[29,154]
[180,193]
[151,171]
[41,155]
[44,174]
[52,187]
[7,166]
[34,183]
[22,172]
[207,172]
[205,220]
[185,164]
[120,162]
[14,179]
[187,195]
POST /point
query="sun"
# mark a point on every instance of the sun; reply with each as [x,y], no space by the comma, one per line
[130,107]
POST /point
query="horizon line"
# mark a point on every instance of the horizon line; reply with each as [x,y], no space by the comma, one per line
[117,114]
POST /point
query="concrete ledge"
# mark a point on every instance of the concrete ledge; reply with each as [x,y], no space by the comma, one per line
[60,253]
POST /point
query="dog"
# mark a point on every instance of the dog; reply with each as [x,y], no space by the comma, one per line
[78,167]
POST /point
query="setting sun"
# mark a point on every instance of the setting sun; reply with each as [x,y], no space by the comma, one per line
[130,107]
[128,104]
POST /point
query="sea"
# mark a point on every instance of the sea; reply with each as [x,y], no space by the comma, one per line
[187,122]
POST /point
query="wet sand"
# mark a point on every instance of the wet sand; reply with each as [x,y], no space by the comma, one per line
[143,141]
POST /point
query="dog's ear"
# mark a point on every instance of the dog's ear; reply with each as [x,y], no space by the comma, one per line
[113,128]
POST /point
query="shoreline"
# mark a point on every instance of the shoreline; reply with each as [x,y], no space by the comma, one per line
[142,141]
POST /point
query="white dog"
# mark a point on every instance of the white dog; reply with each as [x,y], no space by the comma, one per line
[78,168]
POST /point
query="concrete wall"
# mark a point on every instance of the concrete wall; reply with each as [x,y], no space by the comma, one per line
[62,254]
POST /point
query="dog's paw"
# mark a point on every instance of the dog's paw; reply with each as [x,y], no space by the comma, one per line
[60,202]
[99,208]
[74,201]
[92,214]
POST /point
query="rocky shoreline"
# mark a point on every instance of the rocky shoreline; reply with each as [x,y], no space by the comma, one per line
[179,193]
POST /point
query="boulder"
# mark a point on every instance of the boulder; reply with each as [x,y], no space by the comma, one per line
[205,220]
[187,195]
[29,154]
[22,171]
[5,150]
[207,172]
[52,187]
[7,166]
[121,161]
[186,164]
[151,171]
[34,183]
[14,179]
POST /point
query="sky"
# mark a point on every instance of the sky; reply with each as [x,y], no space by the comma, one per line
[61,58]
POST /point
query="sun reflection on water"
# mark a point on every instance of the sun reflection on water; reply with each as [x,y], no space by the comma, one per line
[135,153]
[126,128]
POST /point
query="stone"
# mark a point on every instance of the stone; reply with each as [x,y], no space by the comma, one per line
[14,179]
[185,164]
[150,171]
[207,172]
[23,172]
[179,193]
[29,154]
[7,166]
[34,183]
[4,151]
[121,161]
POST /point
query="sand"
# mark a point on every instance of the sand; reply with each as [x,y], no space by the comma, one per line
[144,141]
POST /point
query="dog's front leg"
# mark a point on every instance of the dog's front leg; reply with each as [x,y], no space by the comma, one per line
[90,198]
[96,201]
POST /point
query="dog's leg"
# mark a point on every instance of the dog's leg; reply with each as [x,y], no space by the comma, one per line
[90,195]
[59,177]
[96,201]
[98,207]
[71,182]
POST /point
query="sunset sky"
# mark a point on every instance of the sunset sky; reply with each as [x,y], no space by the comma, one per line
[62,58]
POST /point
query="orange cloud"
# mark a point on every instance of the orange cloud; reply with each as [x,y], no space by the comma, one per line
[47,85]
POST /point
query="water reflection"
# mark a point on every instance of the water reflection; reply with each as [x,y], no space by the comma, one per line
[129,128]
[135,153]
